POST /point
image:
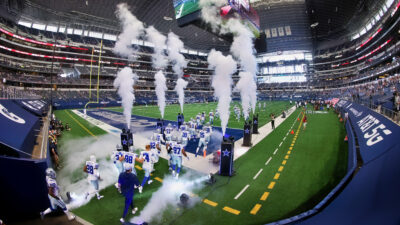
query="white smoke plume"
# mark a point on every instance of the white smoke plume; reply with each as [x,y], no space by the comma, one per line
[210,12]
[168,195]
[124,83]
[222,83]
[161,87]
[158,40]
[242,48]
[179,88]
[175,45]
[132,28]
[71,176]
[246,87]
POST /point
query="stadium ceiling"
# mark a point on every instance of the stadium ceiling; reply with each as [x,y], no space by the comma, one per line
[328,20]
[95,13]
[333,19]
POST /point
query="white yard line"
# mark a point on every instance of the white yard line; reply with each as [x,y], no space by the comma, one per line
[275,151]
[241,192]
[266,163]
[280,144]
[258,173]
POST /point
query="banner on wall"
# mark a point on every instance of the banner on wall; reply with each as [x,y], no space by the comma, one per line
[376,134]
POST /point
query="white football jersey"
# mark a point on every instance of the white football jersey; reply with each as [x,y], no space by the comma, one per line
[52,183]
[92,170]
[149,159]
[177,149]
[130,158]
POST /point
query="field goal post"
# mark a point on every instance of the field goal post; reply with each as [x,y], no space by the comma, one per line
[90,79]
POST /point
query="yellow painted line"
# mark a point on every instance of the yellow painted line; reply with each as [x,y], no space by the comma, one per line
[291,145]
[255,209]
[286,157]
[280,169]
[290,148]
[81,125]
[138,167]
[264,196]
[276,177]
[158,179]
[233,211]
[284,162]
[271,185]
[289,152]
[208,202]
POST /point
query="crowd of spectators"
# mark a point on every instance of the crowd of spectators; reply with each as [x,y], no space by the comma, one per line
[56,128]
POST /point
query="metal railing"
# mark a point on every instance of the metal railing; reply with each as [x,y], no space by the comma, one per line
[390,114]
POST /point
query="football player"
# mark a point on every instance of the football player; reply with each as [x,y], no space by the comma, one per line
[211,115]
[168,132]
[177,151]
[192,128]
[130,158]
[198,119]
[203,117]
[147,158]
[158,137]
[118,159]
[208,130]
[202,141]
[185,135]
[156,150]
[54,196]
[92,169]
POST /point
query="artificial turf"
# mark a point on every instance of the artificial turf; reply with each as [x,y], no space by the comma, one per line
[316,164]
[191,110]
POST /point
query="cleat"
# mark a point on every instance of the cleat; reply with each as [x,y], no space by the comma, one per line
[71,217]
[86,195]
[122,220]
[140,189]
[41,215]
[100,197]
[134,210]
[150,181]
[173,173]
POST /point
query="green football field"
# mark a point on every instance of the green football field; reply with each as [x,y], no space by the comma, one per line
[291,181]
[191,110]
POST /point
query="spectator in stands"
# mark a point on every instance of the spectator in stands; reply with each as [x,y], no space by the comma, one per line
[346,117]
[55,158]
[396,101]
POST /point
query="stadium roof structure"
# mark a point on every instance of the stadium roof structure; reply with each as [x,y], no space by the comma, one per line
[337,19]
[319,20]
[97,14]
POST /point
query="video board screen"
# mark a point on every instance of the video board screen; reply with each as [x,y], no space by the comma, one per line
[185,7]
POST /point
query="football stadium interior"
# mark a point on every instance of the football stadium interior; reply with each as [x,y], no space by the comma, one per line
[195,112]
